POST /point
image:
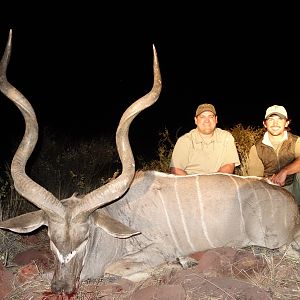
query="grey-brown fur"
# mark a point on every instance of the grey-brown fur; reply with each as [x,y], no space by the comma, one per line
[132,224]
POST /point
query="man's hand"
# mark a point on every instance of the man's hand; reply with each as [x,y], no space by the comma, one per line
[279,178]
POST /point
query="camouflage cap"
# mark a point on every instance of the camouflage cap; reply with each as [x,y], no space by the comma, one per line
[205,107]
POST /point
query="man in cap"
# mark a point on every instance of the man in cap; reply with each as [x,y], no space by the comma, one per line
[205,149]
[277,154]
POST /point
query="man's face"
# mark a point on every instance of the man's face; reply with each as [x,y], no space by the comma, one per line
[275,125]
[206,122]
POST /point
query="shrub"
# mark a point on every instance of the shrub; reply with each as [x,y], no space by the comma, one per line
[11,203]
[245,137]
[66,165]
[164,153]
[63,166]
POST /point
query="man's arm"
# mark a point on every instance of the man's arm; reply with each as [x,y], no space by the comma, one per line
[177,171]
[255,165]
[230,158]
[228,168]
[292,168]
[179,157]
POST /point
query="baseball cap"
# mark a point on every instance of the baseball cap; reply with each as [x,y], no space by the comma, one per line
[276,110]
[205,107]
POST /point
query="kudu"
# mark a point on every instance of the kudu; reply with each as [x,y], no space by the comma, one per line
[172,216]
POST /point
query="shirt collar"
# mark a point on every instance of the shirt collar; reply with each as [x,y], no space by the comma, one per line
[198,139]
[267,141]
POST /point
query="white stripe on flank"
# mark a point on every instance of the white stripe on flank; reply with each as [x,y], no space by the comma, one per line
[242,224]
[271,201]
[169,222]
[204,228]
[182,218]
[257,207]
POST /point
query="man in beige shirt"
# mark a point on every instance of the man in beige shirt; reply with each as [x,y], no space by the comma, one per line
[205,149]
[277,154]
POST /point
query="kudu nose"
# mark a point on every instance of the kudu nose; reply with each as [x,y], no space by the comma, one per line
[60,287]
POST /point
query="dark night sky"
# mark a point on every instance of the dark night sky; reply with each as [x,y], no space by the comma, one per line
[82,66]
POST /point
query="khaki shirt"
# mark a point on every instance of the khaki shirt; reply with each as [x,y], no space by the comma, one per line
[193,155]
[255,165]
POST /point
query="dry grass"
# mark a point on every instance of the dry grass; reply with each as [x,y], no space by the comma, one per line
[245,137]
[164,153]
[9,247]
[280,277]
[33,289]
[55,166]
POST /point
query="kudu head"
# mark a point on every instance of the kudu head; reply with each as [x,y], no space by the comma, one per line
[69,221]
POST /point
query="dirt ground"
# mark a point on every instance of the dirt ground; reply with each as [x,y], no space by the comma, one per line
[223,273]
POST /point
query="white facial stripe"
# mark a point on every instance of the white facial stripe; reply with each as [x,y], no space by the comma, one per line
[65,259]
[69,256]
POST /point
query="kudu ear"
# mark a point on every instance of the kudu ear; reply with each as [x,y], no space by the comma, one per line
[112,226]
[25,223]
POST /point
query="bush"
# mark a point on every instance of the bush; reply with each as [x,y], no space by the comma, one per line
[67,165]
[245,137]
[11,203]
[164,153]
[63,165]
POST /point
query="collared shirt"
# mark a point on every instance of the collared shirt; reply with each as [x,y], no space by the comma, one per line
[196,156]
[266,140]
[255,165]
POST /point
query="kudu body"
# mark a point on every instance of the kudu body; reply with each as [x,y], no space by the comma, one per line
[171,216]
